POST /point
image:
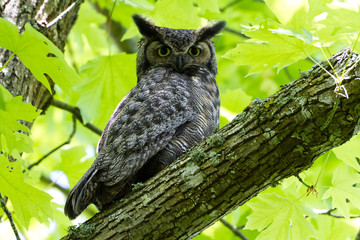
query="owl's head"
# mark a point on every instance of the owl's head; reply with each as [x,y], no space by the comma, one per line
[181,49]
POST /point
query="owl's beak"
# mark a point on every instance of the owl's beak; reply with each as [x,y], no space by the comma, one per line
[179,63]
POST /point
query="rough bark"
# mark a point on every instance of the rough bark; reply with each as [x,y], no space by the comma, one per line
[16,77]
[269,141]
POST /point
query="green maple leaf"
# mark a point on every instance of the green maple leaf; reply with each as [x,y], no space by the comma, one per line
[331,228]
[210,5]
[72,165]
[269,49]
[12,109]
[342,189]
[107,80]
[292,14]
[38,54]
[279,218]
[140,4]
[305,35]
[26,200]
[348,152]
[343,15]
[176,14]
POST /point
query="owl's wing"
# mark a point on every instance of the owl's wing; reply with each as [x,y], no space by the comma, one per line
[138,133]
[104,135]
[148,119]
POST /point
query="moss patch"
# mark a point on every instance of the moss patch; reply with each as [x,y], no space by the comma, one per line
[82,231]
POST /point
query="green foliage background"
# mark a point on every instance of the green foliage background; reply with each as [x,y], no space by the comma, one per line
[266,44]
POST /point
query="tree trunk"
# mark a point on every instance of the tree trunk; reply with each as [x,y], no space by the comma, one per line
[269,141]
[16,77]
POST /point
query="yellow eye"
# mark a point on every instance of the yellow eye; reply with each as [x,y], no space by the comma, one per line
[164,51]
[194,51]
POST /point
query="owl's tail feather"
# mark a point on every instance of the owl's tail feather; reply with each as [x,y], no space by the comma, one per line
[81,195]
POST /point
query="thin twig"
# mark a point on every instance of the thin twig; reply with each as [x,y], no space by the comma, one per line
[329,213]
[76,112]
[287,73]
[11,57]
[62,14]
[76,115]
[229,5]
[58,147]
[117,31]
[109,21]
[5,201]
[8,214]
[357,236]
[240,227]
[236,32]
[46,180]
[234,229]
[306,185]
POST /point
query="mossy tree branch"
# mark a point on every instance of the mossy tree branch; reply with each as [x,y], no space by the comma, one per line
[270,140]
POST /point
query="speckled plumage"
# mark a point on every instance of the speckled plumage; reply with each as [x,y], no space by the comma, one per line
[173,107]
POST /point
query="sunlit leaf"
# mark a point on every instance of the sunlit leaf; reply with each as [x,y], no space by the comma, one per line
[132,31]
[176,14]
[279,218]
[271,50]
[28,202]
[305,35]
[210,5]
[343,15]
[72,165]
[343,189]
[107,79]
[140,4]
[88,37]
[38,54]
[349,152]
[12,109]
[292,14]
[331,228]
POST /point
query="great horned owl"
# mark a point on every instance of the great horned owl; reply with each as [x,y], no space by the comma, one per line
[174,106]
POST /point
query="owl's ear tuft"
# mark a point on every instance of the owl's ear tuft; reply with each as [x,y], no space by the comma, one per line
[210,30]
[146,28]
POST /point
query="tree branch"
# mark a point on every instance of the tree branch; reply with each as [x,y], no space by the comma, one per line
[329,213]
[287,73]
[116,31]
[60,16]
[236,32]
[269,141]
[234,229]
[229,5]
[8,214]
[76,112]
[302,181]
[58,147]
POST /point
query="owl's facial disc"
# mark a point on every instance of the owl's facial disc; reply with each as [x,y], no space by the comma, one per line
[161,54]
[195,47]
